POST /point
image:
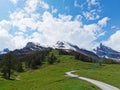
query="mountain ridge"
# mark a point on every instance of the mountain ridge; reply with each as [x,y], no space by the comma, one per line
[4,51]
[68,46]
[107,52]
[100,51]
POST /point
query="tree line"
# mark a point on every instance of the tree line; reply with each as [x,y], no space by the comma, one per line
[10,63]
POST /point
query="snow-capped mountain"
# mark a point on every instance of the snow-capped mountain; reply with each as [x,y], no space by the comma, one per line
[65,45]
[34,46]
[101,51]
[30,47]
[4,51]
[107,52]
[68,46]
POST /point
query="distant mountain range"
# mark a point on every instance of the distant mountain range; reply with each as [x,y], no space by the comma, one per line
[4,51]
[107,52]
[29,48]
[68,46]
[101,51]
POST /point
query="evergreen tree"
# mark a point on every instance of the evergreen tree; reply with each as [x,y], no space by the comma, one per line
[7,66]
[18,66]
[52,59]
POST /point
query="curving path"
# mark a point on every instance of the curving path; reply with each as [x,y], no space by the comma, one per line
[101,85]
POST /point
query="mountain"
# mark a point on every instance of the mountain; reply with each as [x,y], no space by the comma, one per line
[68,46]
[29,48]
[4,51]
[101,51]
[33,47]
[107,52]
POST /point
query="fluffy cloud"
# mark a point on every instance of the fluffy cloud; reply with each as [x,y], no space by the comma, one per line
[5,39]
[44,5]
[91,15]
[114,41]
[93,2]
[26,17]
[45,28]
[103,22]
[53,10]
[76,4]
[65,29]
[14,1]
[89,9]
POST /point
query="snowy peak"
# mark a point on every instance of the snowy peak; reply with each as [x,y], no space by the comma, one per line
[104,51]
[33,46]
[66,45]
[4,51]
[30,44]
[29,48]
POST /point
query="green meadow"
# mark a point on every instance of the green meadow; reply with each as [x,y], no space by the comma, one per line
[52,77]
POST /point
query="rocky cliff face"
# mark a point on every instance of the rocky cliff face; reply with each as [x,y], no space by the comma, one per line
[107,52]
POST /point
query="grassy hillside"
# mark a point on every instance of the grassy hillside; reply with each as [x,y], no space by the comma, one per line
[52,77]
[109,73]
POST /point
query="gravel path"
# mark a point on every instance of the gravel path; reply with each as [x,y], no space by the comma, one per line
[100,84]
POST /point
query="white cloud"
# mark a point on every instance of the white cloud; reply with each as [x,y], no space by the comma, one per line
[48,29]
[31,6]
[91,15]
[65,17]
[19,41]
[114,41]
[44,5]
[115,27]
[78,18]
[93,2]
[25,23]
[91,9]
[63,28]
[54,10]
[3,32]
[92,28]
[26,17]
[84,37]
[5,39]
[14,1]
[103,22]
[76,4]
[5,24]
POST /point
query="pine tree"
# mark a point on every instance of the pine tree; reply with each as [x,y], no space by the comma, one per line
[52,59]
[6,66]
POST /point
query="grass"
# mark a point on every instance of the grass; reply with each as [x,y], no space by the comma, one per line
[52,77]
[109,73]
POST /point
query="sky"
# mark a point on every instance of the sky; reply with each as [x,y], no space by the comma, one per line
[85,23]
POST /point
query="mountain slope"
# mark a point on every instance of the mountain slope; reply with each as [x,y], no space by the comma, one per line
[33,47]
[106,52]
[29,48]
[4,51]
[51,77]
[68,46]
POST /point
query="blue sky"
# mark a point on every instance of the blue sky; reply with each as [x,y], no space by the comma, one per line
[85,23]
